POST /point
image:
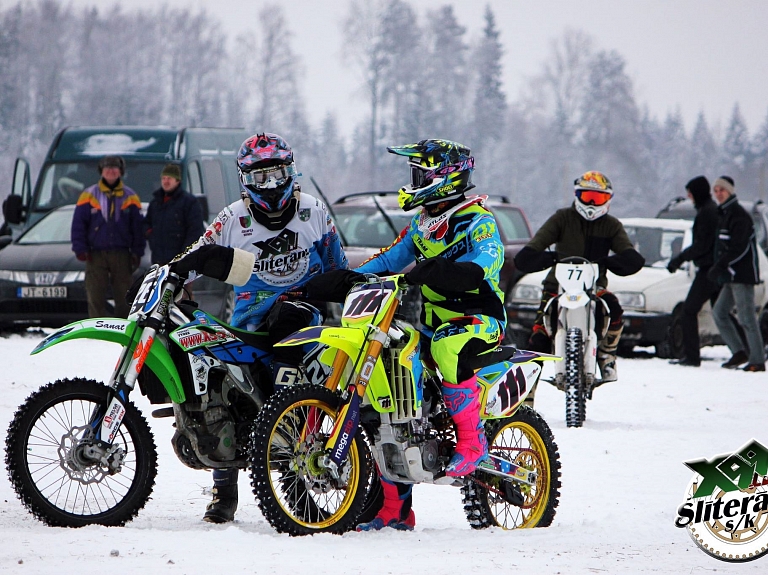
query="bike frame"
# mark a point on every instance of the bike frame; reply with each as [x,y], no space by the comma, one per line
[367,328]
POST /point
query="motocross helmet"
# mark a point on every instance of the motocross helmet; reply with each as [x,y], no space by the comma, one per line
[593,195]
[267,172]
[441,171]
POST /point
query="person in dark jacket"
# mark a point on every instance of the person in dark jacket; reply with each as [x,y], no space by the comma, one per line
[736,269]
[701,253]
[585,230]
[108,235]
[174,217]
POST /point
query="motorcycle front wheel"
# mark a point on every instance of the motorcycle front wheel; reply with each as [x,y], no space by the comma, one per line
[51,472]
[526,440]
[575,385]
[296,493]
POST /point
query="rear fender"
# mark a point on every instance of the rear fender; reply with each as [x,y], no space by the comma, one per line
[120,331]
[350,340]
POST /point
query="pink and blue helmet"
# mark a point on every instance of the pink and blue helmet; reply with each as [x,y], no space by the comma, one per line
[267,171]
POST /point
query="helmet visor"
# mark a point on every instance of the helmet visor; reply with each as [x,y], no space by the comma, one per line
[272,177]
[593,197]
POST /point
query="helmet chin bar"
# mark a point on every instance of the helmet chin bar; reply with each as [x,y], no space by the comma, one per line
[591,213]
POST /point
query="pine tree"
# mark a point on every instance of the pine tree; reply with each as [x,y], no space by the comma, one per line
[736,145]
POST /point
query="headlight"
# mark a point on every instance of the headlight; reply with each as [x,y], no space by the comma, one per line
[525,292]
[72,277]
[631,300]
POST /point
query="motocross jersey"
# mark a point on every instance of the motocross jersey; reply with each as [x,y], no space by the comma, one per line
[287,258]
[465,233]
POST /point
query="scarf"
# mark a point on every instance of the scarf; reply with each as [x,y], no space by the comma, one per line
[111,193]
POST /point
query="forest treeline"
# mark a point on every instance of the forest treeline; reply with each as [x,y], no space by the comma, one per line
[421,75]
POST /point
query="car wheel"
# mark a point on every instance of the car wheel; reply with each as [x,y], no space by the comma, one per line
[672,346]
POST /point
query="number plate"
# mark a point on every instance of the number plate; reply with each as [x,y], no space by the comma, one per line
[42,292]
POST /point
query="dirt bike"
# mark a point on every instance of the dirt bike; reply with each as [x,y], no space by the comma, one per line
[309,463]
[78,452]
[576,337]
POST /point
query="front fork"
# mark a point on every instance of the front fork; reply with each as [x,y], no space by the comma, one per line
[348,420]
[105,423]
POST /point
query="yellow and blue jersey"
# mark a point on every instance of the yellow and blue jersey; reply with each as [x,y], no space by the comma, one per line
[466,233]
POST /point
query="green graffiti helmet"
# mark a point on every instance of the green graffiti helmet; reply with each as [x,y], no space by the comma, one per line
[441,170]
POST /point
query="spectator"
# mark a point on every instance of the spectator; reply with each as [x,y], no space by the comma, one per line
[701,253]
[107,235]
[174,217]
[736,270]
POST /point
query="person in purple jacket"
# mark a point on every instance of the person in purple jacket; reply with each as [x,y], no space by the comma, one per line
[108,235]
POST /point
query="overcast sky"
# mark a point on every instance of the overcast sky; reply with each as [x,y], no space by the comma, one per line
[688,54]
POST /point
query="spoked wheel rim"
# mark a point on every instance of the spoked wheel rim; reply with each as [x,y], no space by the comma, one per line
[62,474]
[301,485]
[520,443]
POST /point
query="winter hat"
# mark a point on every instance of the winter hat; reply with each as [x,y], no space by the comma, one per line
[699,188]
[172,171]
[725,182]
[112,162]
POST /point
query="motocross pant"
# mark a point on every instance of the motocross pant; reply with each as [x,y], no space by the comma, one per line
[284,318]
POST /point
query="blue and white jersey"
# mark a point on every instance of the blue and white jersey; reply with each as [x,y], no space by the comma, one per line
[287,258]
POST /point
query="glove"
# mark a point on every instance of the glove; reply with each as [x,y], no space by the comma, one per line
[83,257]
[333,285]
[674,264]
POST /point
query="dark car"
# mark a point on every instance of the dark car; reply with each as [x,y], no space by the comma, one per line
[42,283]
[367,227]
[681,208]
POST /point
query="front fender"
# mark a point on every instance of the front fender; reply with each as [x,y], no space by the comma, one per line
[120,331]
[350,340]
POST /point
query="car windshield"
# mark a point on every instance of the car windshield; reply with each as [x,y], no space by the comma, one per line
[364,226]
[512,223]
[61,183]
[656,245]
[54,228]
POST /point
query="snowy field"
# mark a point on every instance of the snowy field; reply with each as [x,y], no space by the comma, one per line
[623,478]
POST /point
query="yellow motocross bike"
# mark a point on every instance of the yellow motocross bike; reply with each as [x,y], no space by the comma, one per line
[313,447]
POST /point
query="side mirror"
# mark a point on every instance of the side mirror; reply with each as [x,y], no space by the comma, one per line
[5,240]
[12,209]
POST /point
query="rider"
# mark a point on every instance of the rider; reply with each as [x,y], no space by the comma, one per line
[585,230]
[456,245]
[285,236]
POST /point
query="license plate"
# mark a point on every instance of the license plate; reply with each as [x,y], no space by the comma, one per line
[43,292]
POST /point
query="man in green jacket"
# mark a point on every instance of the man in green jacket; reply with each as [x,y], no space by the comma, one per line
[586,230]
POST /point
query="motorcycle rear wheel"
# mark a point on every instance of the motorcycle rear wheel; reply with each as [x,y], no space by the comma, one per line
[54,482]
[295,493]
[526,440]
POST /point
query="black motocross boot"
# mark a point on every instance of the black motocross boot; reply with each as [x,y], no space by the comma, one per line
[222,508]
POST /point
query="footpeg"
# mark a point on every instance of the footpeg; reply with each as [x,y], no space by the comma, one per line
[163,412]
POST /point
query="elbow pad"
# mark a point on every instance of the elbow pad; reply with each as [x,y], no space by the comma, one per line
[446,275]
[529,260]
[230,265]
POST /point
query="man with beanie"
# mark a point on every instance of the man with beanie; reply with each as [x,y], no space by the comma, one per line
[108,235]
[700,252]
[174,217]
[736,269]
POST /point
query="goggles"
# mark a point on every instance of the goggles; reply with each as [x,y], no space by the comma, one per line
[593,197]
[422,176]
[271,177]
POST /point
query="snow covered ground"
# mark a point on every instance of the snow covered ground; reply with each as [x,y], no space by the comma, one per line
[623,478]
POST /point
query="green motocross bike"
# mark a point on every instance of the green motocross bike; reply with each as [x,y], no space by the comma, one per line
[312,445]
[79,452]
